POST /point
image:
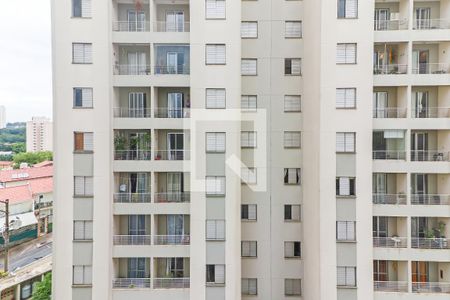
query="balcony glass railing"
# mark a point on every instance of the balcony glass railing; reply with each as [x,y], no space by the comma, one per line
[172,155]
[431,112]
[430,243]
[129,69]
[172,239]
[389,112]
[389,154]
[428,24]
[392,199]
[135,240]
[165,69]
[132,197]
[132,155]
[390,286]
[430,199]
[431,68]
[129,283]
[164,26]
[382,25]
[431,287]
[171,283]
[390,242]
[126,26]
[124,112]
[172,113]
[392,69]
[429,155]
[172,197]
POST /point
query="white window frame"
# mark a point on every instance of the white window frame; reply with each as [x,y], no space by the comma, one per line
[289,249]
[292,103]
[215,230]
[219,275]
[249,286]
[346,231]
[249,29]
[249,139]
[295,66]
[349,12]
[85,9]
[82,230]
[249,249]
[215,9]
[346,276]
[87,185]
[346,53]
[345,98]
[215,186]
[215,142]
[295,212]
[85,273]
[87,100]
[290,288]
[345,183]
[291,31]
[86,53]
[345,142]
[215,98]
[292,139]
[215,54]
[247,102]
[252,212]
[249,67]
[290,172]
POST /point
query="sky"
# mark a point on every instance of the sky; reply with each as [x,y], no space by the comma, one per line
[25,59]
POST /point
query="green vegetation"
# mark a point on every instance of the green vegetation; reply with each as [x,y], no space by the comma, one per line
[43,289]
[12,138]
[32,158]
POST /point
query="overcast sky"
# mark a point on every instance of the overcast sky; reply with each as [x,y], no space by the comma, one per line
[25,59]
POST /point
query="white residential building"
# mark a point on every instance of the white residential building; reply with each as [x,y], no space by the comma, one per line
[224,150]
[2,116]
[39,134]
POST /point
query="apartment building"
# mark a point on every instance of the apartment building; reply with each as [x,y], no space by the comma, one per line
[39,134]
[2,116]
[228,150]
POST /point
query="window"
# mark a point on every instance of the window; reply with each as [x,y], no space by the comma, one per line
[83,141]
[215,142]
[82,230]
[249,212]
[249,30]
[293,29]
[346,276]
[249,102]
[292,250]
[293,66]
[249,248]
[82,98]
[82,275]
[292,103]
[215,98]
[248,175]
[292,176]
[215,54]
[292,139]
[345,230]
[346,54]
[345,186]
[291,212]
[138,266]
[81,8]
[215,9]
[81,53]
[346,98]
[215,274]
[292,287]
[248,139]
[83,186]
[249,66]
[345,142]
[215,186]
[249,286]
[215,230]
[347,9]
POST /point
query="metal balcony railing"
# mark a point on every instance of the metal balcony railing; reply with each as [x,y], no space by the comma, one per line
[381,25]
[389,112]
[430,243]
[123,112]
[172,154]
[431,68]
[127,69]
[392,199]
[429,155]
[389,154]
[430,199]
[172,197]
[129,283]
[132,198]
[164,26]
[132,155]
[431,287]
[171,283]
[127,26]
[174,70]
[172,113]
[172,239]
[431,112]
[135,240]
[431,24]
[390,286]
[390,242]
[390,69]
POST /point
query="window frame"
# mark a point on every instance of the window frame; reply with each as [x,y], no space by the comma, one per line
[85,270]
[248,108]
[298,173]
[215,193]
[294,243]
[86,236]
[351,188]
[299,97]
[251,173]
[247,218]
[346,271]
[215,56]
[215,18]
[216,150]
[216,90]
[292,280]
[256,66]
[289,217]
[345,50]
[292,140]
[345,142]
[347,238]
[345,11]
[345,89]
[293,36]
[257,29]
[252,247]
[216,237]
[84,44]
[82,89]
[289,61]
[246,287]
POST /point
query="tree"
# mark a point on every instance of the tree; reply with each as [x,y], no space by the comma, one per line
[18,147]
[43,289]
[32,158]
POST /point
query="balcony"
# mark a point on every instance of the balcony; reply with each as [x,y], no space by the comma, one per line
[431,287]
[132,145]
[431,68]
[390,58]
[389,188]
[172,187]
[172,59]
[389,145]
[390,242]
[389,199]
[172,230]
[426,58]
[171,273]
[172,239]
[429,155]
[172,102]
[389,232]
[390,276]
[390,16]
[132,197]
[424,140]
[134,240]
[132,59]
[132,230]
[389,102]
[429,233]
[430,199]
[131,283]
[172,17]
[391,286]
[171,283]
[130,273]
[130,17]
[430,243]
[172,145]
[428,277]
[171,26]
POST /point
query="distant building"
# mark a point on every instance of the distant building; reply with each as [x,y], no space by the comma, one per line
[2,117]
[39,134]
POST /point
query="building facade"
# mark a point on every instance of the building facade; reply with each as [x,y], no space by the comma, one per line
[2,116]
[231,150]
[39,134]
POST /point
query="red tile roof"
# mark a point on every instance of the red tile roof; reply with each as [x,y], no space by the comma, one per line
[41,185]
[26,174]
[43,164]
[16,194]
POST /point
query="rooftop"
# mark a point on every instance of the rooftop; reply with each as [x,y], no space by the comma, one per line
[26,174]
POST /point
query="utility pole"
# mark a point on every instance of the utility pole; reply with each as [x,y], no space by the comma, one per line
[6,232]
